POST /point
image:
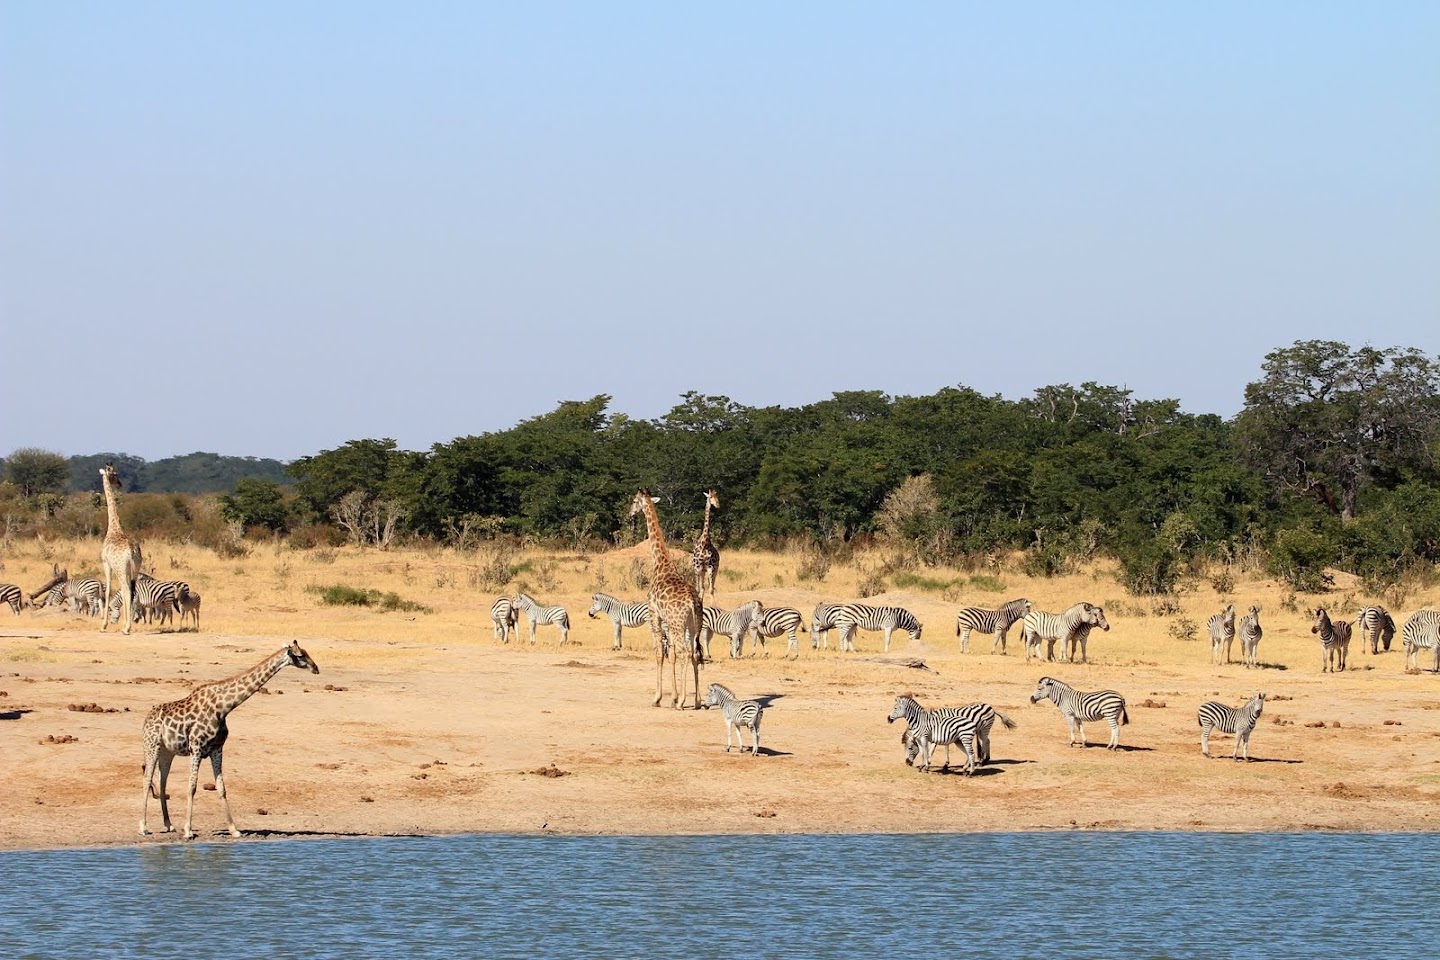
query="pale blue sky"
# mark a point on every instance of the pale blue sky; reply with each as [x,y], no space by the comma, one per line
[295,224]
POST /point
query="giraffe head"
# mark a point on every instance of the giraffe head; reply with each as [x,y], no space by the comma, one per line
[109,475]
[299,658]
[712,499]
[642,497]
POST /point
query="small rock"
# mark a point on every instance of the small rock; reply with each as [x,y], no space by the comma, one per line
[1393,723]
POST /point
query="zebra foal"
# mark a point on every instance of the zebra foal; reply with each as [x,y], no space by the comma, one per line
[1222,633]
[1240,721]
[1078,707]
[996,622]
[539,615]
[621,614]
[1334,640]
[1375,625]
[738,713]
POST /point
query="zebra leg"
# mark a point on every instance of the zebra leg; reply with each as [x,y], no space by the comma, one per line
[1205,739]
[888,631]
[1114,732]
[997,643]
[616,645]
[755,739]
[964,639]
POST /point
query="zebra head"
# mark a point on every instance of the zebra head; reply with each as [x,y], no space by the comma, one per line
[595,607]
[905,707]
[1095,616]
[1322,622]
[1044,690]
[1259,701]
[715,695]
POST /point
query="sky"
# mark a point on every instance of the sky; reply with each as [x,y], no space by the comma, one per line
[265,229]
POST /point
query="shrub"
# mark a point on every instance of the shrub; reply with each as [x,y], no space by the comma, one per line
[1148,567]
[1299,556]
[1184,629]
[341,595]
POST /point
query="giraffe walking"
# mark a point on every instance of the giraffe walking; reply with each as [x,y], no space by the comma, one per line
[705,558]
[120,553]
[674,612]
[195,727]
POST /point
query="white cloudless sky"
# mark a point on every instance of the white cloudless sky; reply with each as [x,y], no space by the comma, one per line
[268,228]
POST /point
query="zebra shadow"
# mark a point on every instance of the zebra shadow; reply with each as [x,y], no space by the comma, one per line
[1270,666]
[13,714]
[1267,760]
[989,770]
[765,699]
[764,752]
[1121,748]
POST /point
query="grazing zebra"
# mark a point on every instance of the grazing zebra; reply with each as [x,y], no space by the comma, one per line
[86,595]
[773,621]
[1071,628]
[190,603]
[1239,721]
[13,595]
[738,714]
[157,598]
[1375,625]
[1078,707]
[859,616]
[733,623]
[621,614]
[821,623]
[539,615]
[997,622]
[505,618]
[1334,640]
[1422,632]
[969,726]
[1250,634]
[1222,633]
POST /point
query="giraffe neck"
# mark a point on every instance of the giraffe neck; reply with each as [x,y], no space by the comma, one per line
[658,553]
[112,510]
[705,530]
[226,695]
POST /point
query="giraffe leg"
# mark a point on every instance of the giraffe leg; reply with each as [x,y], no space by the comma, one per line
[163,765]
[105,614]
[151,756]
[659,640]
[190,798]
[215,763]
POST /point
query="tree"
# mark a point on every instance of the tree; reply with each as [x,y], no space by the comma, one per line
[35,471]
[1328,421]
[256,503]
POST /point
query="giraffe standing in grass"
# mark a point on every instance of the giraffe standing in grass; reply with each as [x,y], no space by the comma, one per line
[705,558]
[195,727]
[674,612]
[120,553]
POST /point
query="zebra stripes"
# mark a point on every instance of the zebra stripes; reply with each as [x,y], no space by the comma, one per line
[158,598]
[190,604]
[1078,707]
[13,595]
[1422,632]
[1072,628]
[997,622]
[1241,721]
[1250,634]
[1375,625]
[733,623]
[1334,640]
[86,595]
[822,621]
[773,621]
[541,615]
[859,616]
[1222,633]
[505,618]
[969,726]
[621,614]
[738,713]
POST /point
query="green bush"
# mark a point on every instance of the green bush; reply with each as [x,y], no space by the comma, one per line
[341,595]
[1298,556]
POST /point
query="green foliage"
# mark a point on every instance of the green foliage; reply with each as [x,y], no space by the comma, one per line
[340,595]
[256,503]
[1298,556]
[191,473]
[34,471]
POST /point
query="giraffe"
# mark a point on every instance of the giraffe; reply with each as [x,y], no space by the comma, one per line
[705,558]
[195,727]
[120,553]
[674,611]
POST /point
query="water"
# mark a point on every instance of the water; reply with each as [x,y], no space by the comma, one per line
[973,895]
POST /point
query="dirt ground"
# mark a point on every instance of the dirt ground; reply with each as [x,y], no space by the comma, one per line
[418,730]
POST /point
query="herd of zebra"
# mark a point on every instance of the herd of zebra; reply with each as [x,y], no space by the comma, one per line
[1375,625]
[155,600]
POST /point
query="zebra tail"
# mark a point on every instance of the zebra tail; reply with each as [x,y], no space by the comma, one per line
[1124,716]
[1005,721]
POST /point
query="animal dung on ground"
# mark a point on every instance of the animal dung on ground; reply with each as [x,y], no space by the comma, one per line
[1316,723]
[1393,723]
[765,813]
[90,708]
[551,771]
[1147,702]
[63,738]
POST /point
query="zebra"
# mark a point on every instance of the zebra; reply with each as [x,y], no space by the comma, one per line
[13,595]
[738,713]
[158,598]
[997,622]
[733,623]
[505,618]
[1334,640]
[1375,625]
[1078,707]
[621,614]
[773,621]
[190,603]
[541,615]
[859,616]
[1072,628]
[86,595]
[1239,721]
[822,621]
[1422,631]
[969,726]
[1222,633]
[1250,634]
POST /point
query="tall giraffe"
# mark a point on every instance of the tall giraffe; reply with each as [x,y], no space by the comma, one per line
[120,553]
[705,558]
[674,611]
[195,727]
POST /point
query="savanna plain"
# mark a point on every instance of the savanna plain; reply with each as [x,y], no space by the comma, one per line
[422,722]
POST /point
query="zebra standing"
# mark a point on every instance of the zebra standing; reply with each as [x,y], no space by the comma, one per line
[505,618]
[190,604]
[13,595]
[1334,640]
[1241,721]
[738,713]
[773,621]
[86,595]
[733,623]
[1071,628]
[1078,707]
[621,614]
[539,615]
[821,623]
[1375,625]
[860,616]
[997,622]
[1222,633]
[1422,632]
[158,598]
[968,726]
[1250,634]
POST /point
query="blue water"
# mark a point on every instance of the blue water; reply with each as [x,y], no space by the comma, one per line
[951,895]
